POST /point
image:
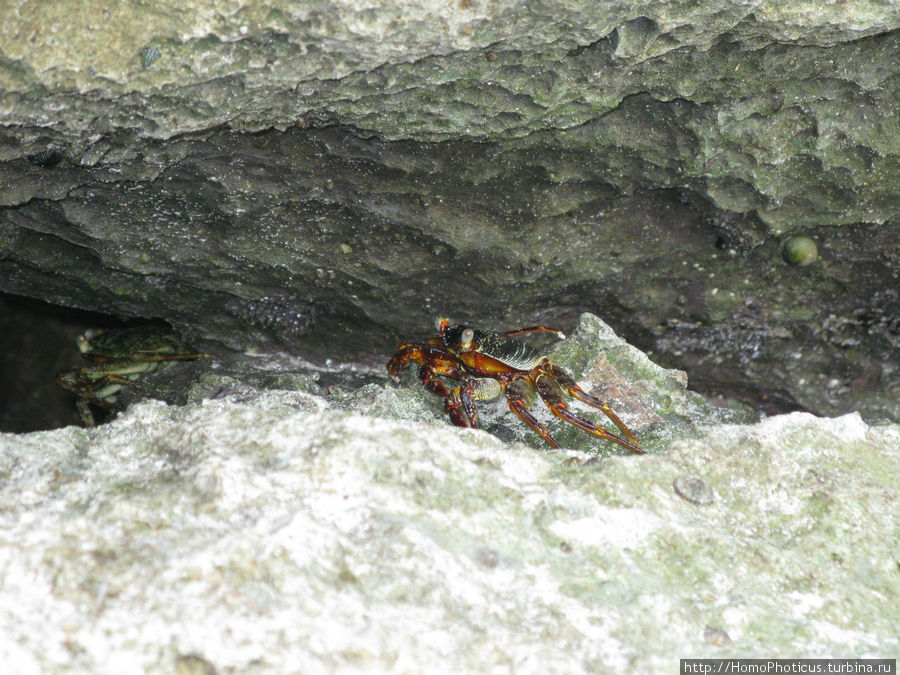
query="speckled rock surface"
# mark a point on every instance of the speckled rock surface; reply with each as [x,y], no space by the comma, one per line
[324,178]
[777,108]
[266,530]
[163,68]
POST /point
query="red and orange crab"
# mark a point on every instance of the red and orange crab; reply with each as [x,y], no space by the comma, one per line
[489,365]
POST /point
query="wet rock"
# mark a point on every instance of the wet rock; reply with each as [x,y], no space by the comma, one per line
[325,180]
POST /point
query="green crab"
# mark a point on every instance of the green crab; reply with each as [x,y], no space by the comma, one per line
[118,358]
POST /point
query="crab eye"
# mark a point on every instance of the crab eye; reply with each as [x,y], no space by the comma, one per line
[465,340]
[84,342]
[440,324]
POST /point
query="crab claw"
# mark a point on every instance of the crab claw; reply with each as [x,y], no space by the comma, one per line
[460,407]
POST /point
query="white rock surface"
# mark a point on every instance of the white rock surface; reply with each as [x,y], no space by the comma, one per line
[277,534]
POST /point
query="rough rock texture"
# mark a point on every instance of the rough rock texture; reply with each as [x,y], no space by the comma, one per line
[775,108]
[325,177]
[274,530]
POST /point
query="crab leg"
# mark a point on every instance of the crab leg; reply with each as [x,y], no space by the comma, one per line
[83,406]
[146,358]
[570,387]
[562,411]
[169,357]
[457,402]
[519,409]
[118,379]
[549,391]
[536,329]
[434,361]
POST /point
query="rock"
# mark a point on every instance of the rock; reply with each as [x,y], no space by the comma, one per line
[267,528]
[325,179]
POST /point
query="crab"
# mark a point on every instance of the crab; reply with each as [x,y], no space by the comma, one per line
[118,358]
[488,365]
